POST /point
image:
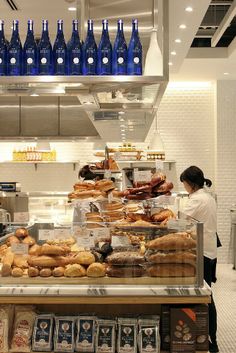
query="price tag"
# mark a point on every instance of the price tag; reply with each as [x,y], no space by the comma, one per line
[46,234]
[21,217]
[119,241]
[107,174]
[86,239]
[178,224]
[61,233]
[159,165]
[142,175]
[100,233]
[20,249]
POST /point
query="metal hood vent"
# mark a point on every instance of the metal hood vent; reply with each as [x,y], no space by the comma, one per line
[12,5]
[49,117]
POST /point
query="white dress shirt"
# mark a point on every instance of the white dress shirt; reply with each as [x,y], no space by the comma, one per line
[202,206]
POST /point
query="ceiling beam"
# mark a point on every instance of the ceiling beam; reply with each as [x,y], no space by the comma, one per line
[230,14]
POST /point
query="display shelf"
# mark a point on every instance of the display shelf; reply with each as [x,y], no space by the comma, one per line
[74,163]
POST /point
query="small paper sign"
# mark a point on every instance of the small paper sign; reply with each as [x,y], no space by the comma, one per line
[86,239]
[107,174]
[178,224]
[119,241]
[46,234]
[142,175]
[159,165]
[21,217]
[20,249]
[61,233]
[100,232]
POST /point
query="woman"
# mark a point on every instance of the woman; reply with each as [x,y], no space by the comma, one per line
[202,206]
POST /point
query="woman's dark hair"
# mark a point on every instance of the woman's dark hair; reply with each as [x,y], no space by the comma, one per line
[195,178]
[86,173]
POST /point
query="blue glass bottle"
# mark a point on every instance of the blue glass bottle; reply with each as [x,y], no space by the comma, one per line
[134,66]
[104,52]
[90,52]
[119,54]
[45,64]
[30,66]
[15,52]
[60,51]
[3,51]
[74,50]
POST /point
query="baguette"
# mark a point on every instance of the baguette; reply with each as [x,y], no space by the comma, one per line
[175,257]
[35,250]
[47,249]
[47,261]
[172,241]
[170,270]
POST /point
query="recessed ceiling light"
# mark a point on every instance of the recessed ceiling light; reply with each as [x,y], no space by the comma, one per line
[177,40]
[226,73]
[189,9]
[122,125]
[183,26]
[72,8]
[173,52]
[170,63]
[122,130]
[34,95]
[121,119]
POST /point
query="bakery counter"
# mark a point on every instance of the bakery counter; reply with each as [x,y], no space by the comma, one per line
[102,294]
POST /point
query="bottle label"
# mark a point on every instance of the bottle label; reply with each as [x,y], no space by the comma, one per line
[105,60]
[120,60]
[13,61]
[76,61]
[30,61]
[60,60]
[90,61]
[43,60]
[136,60]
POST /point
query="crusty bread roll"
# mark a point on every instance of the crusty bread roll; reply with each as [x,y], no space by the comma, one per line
[21,232]
[74,270]
[162,215]
[83,186]
[171,270]
[7,262]
[45,272]
[174,257]
[96,270]
[33,272]
[172,241]
[83,258]
[47,249]
[112,206]
[125,258]
[17,272]
[47,261]
[58,271]
[12,240]
[104,185]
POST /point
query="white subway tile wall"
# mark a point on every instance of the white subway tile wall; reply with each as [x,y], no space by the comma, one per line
[226,162]
[187,124]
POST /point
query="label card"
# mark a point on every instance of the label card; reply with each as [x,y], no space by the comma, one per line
[142,175]
[46,234]
[20,249]
[61,233]
[119,241]
[21,217]
[107,174]
[86,239]
[159,165]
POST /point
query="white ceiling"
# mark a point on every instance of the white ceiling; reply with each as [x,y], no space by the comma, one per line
[188,64]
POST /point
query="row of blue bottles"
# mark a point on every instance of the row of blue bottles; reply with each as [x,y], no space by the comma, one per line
[73,58]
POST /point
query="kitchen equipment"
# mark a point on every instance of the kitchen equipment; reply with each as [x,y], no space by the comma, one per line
[10,186]
[5,216]
[14,202]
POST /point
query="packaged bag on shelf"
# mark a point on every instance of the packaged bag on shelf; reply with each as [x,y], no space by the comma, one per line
[127,335]
[42,333]
[6,318]
[23,328]
[85,337]
[64,333]
[148,334]
[105,336]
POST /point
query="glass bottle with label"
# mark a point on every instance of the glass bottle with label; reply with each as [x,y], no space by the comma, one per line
[134,66]
[3,51]
[90,52]
[105,52]
[30,52]
[45,64]
[74,49]
[119,54]
[60,51]
[15,52]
